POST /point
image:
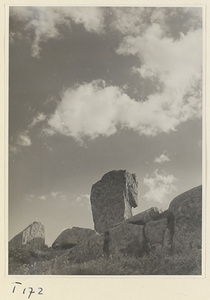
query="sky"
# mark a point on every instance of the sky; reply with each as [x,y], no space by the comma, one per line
[95,89]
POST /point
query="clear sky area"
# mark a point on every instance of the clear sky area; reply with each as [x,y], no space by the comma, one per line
[95,89]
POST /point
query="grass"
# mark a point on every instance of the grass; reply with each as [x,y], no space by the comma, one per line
[51,262]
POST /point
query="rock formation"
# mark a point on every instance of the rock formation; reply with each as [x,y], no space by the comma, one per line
[174,233]
[143,217]
[112,199]
[72,237]
[155,231]
[126,239]
[33,237]
[175,230]
[187,212]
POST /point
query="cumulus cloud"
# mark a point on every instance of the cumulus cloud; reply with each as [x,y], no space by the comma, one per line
[133,21]
[45,22]
[162,158]
[24,139]
[160,186]
[36,120]
[94,109]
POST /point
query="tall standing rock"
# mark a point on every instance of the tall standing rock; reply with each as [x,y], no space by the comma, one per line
[112,199]
[32,237]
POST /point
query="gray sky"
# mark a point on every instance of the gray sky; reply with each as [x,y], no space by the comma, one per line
[97,89]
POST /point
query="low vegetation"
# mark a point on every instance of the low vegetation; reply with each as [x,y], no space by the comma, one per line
[55,262]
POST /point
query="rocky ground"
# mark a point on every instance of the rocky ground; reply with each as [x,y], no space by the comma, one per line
[149,243]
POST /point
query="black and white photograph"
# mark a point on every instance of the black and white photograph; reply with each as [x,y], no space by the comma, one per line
[106,140]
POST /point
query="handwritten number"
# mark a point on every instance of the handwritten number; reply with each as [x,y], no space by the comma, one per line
[31,292]
[40,292]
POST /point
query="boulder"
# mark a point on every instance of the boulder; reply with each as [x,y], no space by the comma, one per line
[33,237]
[112,199]
[144,217]
[155,231]
[127,239]
[90,249]
[71,237]
[187,211]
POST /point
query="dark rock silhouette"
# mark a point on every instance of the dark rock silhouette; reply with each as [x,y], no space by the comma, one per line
[72,237]
[33,237]
[112,199]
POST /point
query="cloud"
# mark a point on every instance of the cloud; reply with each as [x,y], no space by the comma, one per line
[24,139]
[162,158]
[60,196]
[94,109]
[160,186]
[57,196]
[172,20]
[36,120]
[130,20]
[45,22]
[83,201]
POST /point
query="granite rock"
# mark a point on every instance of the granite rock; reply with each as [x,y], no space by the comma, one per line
[71,237]
[112,199]
[155,231]
[187,211]
[33,237]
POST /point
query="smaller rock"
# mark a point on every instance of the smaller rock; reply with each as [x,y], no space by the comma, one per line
[33,237]
[72,237]
[89,249]
[155,231]
[128,239]
[144,217]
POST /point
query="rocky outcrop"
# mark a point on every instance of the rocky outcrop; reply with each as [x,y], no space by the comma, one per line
[187,212]
[144,217]
[171,240]
[90,249]
[112,199]
[33,237]
[126,239]
[72,237]
[155,231]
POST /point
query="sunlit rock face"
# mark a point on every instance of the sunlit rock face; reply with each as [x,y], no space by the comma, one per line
[32,237]
[112,199]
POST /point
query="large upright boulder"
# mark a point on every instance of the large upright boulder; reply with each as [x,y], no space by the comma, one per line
[72,237]
[112,199]
[32,237]
[187,211]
